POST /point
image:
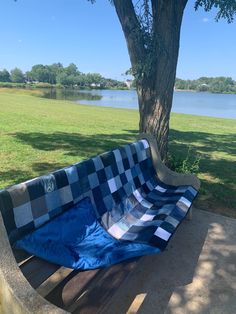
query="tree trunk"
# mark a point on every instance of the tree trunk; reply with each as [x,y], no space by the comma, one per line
[154,110]
[155,63]
[155,95]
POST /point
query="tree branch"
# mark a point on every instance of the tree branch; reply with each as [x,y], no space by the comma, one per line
[160,7]
[132,30]
[226,9]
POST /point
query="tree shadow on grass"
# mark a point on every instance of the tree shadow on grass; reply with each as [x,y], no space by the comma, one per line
[210,148]
[15,176]
[217,167]
[75,144]
[44,167]
[206,142]
[217,172]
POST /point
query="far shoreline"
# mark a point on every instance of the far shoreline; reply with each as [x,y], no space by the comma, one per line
[188,90]
[37,88]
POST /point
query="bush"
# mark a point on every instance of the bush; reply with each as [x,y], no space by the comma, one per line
[186,165]
[60,86]
[43,85]
[12,85]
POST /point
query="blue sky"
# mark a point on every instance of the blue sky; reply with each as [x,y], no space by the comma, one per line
[43,31]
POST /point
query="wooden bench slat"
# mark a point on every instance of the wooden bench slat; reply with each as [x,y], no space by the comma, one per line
[73,290]
[46,281]
[53,281]
[101,290]
[72,286]
[37,271]
[21,256]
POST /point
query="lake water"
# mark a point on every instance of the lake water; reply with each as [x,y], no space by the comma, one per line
[196,103]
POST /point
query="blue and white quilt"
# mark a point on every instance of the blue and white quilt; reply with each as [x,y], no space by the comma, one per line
[102,211]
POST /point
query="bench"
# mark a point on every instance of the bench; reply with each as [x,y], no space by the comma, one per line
[29,284]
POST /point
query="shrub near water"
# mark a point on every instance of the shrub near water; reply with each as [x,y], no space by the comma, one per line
[189,164]
[12,85]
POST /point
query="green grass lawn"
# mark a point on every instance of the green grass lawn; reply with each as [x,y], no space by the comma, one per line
[40,135]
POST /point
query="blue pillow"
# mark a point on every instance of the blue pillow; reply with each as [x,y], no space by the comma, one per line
[75,239]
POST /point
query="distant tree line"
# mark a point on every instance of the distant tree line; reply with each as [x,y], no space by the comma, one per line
[57,74]
[208,84]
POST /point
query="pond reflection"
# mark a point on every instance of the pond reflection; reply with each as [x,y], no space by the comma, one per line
[69,94]
[196,103]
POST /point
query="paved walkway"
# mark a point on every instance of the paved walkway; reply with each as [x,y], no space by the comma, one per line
[196,274]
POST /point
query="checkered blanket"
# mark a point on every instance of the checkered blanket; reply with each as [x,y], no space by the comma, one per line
[128,198]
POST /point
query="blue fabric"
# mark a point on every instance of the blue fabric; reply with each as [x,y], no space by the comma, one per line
[75,239]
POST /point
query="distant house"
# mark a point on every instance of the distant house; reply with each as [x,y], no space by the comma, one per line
[203,87]
[95,85]
[129,83]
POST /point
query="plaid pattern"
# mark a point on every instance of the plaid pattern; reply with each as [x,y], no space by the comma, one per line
[129,199]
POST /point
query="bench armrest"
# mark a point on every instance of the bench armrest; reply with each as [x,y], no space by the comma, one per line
[166,175]
[16,294]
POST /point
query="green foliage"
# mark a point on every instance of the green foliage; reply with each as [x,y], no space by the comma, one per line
[65,79]
[188,164]
[17,76]
[152,41]
[12,85]
[5,76]
[45,75]
[226,8]
[42,85]
[42,73]
[208,84]
[59,86]
[71,69]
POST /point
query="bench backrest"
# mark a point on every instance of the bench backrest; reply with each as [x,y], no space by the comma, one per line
[107,179]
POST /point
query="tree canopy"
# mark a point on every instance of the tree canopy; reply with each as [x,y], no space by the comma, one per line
[208,84]
[225,8]
[17,76]
[5,76]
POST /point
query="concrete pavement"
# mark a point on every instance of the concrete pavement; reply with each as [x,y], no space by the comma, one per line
[196,274]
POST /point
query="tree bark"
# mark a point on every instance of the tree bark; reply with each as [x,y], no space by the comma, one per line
[155,64]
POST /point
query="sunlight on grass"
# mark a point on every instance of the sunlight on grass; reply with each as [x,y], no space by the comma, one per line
[34,92]
[41,135]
